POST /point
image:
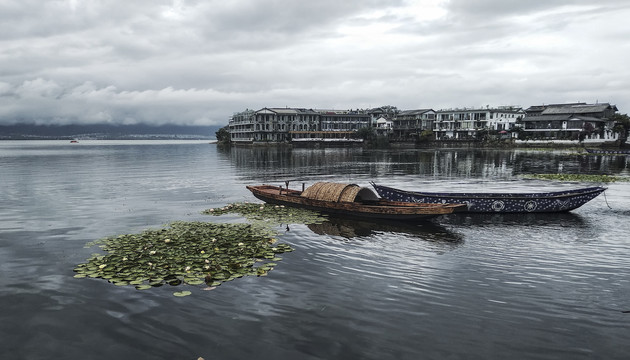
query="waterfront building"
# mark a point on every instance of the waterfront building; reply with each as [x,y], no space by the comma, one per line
[568,121]
[289,124]
[241,126]
[466,123]
[378,113]
[267,124]
[409,124]
[343,120]
[537,110]
[384,126]
[460,124]
[505,118]
[335,126]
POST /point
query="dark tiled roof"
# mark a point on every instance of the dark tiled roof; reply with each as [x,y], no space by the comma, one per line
[414,112]
[543,107]
[565,117]
[577,109]
[547,118]
[587,118]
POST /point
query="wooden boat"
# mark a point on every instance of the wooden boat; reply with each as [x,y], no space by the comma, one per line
[549,202]
[607,151]
[350,200]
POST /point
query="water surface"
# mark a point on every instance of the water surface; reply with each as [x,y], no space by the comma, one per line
[464,286]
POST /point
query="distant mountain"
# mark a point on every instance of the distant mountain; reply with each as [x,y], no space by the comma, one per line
[106,131]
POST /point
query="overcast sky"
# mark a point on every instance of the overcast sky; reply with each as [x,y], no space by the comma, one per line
[197,62]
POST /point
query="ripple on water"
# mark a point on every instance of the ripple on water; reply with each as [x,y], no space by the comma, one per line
[473,286]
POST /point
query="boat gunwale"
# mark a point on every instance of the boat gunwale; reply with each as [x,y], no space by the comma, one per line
[383,207]
[502,196]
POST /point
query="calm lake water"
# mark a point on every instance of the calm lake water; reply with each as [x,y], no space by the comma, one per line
[460,287]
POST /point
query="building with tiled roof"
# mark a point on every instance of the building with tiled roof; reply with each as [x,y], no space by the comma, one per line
[567,121]
[288,124]
[410,123]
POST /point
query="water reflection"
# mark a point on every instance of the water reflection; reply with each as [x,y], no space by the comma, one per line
[567,219]
[351,228]
[270,163]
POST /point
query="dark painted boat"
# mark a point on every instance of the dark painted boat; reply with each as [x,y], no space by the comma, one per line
[350,200]
[549,202]
[607,151]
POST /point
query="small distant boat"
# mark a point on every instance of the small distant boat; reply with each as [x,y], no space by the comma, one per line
[74,141]
[549,202]
[350,200]
[607,151]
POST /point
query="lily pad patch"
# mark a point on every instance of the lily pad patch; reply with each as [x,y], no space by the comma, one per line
[191,253]
[579,177]
[270,214]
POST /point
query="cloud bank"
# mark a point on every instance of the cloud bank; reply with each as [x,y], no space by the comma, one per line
[197,62]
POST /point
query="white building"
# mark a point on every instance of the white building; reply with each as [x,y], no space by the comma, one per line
[504,118]
[384,126]
[466,123]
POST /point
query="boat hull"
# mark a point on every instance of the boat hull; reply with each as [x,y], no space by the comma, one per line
[551,202]
[383,209]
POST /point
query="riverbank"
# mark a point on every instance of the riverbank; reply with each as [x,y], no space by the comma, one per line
[473,144]
[511,144]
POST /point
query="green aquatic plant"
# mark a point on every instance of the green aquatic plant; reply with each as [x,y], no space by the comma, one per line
[578,177]
[190,253]
[270,214]
[195,253]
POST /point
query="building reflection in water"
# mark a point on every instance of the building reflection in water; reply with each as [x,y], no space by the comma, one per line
[274,163]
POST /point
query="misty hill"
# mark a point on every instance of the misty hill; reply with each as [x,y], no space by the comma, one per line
[106,131]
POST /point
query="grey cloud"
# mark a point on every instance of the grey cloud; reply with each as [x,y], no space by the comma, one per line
[491,10]
[197,62]
[43,101]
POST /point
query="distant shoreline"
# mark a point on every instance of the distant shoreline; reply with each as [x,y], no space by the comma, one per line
[107,137]
[106,132]
[459,144]
[80,142]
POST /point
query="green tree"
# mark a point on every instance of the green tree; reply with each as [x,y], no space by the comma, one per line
[482,134]
[622,124]
[367,134]
[426,135]
[390,111]
[223,135]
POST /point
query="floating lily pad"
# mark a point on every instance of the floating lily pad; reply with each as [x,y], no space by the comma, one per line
[579,177]
[194,281]
[182,293]
[271,214]
[195,253]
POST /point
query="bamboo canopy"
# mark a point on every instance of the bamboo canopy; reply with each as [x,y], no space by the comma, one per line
[338,192]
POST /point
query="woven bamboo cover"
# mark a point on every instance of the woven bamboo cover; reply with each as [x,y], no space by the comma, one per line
[349,193]
[335,192]
[311,191]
